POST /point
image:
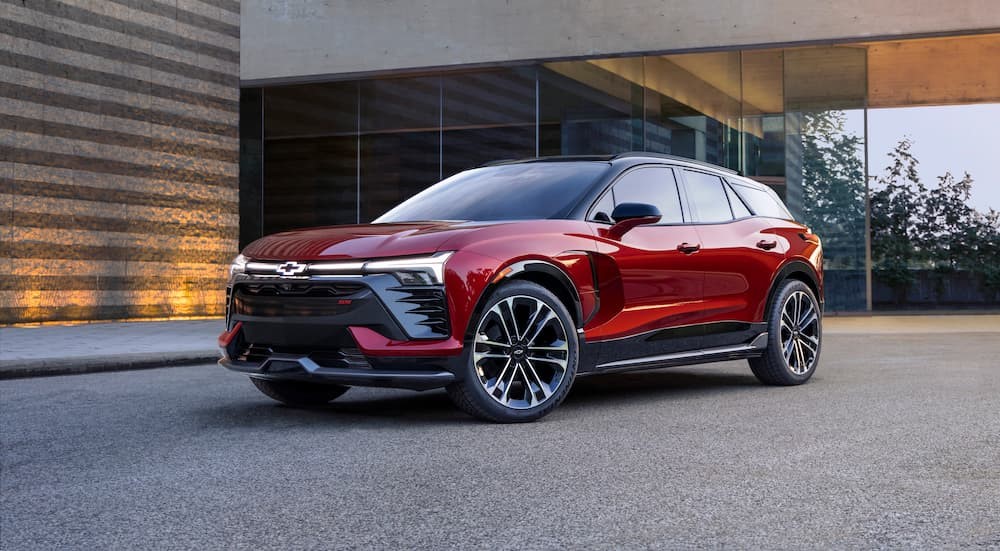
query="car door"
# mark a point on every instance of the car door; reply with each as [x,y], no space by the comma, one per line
[737,257]
[649,287]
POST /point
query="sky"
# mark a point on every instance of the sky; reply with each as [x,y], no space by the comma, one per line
[959,138]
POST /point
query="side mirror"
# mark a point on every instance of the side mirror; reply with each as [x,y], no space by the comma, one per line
[630,215]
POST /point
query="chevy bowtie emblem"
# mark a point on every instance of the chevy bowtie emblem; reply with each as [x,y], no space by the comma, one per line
[290,268]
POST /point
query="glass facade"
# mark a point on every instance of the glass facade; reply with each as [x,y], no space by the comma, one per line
[797,119]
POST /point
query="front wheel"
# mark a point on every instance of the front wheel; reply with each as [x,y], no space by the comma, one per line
[298,393]
[794,336]
[522,357]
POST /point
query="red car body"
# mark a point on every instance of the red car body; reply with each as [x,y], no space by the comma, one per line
[649,292]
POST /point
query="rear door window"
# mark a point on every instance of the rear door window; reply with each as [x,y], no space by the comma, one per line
[707,197]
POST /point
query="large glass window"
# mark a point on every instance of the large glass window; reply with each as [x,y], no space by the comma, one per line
[590,107]
[487,116]
[935,228]
[311,151]
[400,141]
[825,162]
[692,106]
[791,118]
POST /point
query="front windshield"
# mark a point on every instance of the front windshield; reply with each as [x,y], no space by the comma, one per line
[521,191]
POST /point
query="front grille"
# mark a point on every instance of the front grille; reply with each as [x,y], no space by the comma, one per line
[295,299]
[429,307]
[300,289]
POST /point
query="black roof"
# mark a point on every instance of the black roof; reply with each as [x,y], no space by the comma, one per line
[609,158]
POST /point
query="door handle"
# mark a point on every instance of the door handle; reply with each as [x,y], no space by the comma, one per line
[688,248]
[766,245]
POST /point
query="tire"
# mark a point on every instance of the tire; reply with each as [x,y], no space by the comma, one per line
[794,336]
[297,393]
[519,373]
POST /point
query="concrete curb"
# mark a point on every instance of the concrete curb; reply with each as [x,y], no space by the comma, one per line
[45,367]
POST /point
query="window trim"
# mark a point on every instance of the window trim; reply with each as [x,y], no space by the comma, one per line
[678,185]
[732,189]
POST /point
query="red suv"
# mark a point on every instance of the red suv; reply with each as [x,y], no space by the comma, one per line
[504,283]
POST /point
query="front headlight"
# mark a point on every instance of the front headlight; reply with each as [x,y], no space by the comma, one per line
[238,266]
[424,270]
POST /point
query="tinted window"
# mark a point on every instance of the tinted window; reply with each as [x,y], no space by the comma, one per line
[707,197]
[740,210]
[523,191]
[653,185]
[763,202]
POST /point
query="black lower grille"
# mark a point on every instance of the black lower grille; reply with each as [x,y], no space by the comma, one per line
[294,299]
[346,358]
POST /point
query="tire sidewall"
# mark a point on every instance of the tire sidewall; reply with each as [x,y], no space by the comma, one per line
[774,327]
[471,381]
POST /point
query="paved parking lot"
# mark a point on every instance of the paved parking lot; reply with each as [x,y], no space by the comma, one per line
[894,444]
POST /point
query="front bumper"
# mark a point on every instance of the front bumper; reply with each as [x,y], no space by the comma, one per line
[303,368]
[365,331]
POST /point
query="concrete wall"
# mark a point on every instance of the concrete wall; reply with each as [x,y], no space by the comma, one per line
[118,157]
[284,39]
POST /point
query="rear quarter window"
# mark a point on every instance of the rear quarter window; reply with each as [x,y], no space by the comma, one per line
[762,203]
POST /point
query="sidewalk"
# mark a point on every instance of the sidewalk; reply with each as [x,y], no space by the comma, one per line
[86,348]
[66,349]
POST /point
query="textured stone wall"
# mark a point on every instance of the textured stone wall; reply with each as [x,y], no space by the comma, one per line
[118,157]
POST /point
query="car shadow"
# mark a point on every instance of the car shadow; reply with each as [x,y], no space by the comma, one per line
[595,390]
[383,407]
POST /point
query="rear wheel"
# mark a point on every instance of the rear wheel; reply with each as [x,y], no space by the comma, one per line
[523,356]
[794,336]
[299,393]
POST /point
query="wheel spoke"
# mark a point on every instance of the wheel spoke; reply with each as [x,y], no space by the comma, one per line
[516,334]
[482,355]
[541,325]
[494,344]
[528,368]
[505,397]
[789,346]
[492,388]
[807,344]
[534,317]
[808,318]
[800,356]
[562,348]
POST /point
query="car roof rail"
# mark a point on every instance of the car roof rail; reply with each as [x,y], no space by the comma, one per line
[678,158]
[552,159]
[607,158]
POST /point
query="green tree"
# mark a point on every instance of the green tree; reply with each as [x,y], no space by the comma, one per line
[833,187]
[896,203]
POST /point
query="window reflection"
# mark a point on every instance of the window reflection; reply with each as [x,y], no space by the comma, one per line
[487,116]
[590,107]
[310,148]
[400,141]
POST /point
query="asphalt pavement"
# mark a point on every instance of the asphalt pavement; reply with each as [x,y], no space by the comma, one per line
[895,443]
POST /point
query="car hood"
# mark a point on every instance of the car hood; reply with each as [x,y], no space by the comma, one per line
[360,241]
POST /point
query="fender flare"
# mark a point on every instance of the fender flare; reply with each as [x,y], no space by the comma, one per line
[519,269]
[795,267]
